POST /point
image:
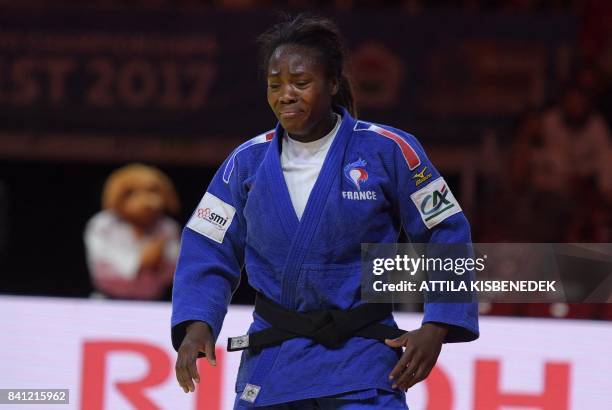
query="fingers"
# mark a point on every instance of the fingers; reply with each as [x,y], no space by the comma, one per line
[179,378]
[416,372]
[394,342]
[420,375]
[198,339]
[209,350]
[183,379]
[408,373]
[401,364]
[186,369]
[423,347]
[193,371]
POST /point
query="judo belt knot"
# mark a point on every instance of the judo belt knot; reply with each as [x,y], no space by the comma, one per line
[331,328]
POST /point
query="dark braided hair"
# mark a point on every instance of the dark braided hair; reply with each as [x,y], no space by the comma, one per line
[323,36]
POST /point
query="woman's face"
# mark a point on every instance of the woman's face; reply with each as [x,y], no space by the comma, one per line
[299,92]
[143,201]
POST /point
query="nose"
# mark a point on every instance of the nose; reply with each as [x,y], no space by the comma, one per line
[287,95]
[153,200]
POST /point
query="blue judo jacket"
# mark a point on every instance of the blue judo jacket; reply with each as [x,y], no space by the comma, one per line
[375,181]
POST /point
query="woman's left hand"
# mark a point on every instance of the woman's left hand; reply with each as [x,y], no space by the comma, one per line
[423,347]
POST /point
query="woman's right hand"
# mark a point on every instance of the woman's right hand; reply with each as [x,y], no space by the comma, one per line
[152,254]
[198,338]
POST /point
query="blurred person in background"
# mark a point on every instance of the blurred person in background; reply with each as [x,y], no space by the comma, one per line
[575,146]
[132,245]
[591,79]
[560,159]
[594,226]
[561,167]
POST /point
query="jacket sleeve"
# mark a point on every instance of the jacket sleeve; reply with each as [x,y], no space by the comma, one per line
[431,214]
[211,257]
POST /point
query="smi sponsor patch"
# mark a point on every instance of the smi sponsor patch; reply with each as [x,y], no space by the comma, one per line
[212,218]
[435,202]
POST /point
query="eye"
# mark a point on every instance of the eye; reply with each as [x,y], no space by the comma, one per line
[128,192]
[273,86]
[154,188]
[302,83]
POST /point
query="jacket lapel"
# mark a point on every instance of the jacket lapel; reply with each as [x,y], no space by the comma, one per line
[275,179]
[302,231]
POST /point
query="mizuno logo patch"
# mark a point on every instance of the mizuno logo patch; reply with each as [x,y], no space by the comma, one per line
[421,176]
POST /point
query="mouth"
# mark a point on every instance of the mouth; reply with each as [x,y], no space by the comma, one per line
[288,114]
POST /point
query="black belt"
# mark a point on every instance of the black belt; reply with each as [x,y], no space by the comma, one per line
[331,328]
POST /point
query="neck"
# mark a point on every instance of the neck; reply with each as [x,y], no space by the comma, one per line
[321,129]
[140,227]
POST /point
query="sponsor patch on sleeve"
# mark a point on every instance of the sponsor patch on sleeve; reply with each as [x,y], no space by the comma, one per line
[212,218]
[435,202]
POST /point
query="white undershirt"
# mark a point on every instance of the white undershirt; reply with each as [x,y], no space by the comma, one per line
[301,163]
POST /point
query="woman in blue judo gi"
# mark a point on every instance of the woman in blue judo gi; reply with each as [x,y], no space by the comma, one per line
[293,205]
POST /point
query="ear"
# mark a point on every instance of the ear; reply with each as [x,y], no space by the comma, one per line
[334,86]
